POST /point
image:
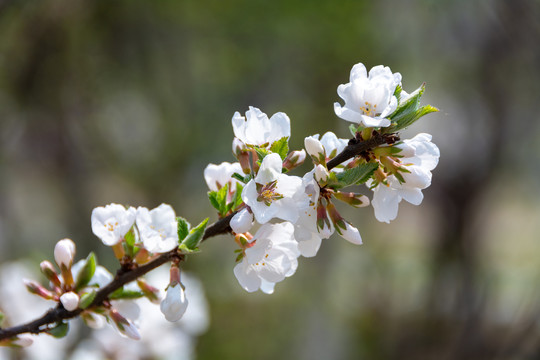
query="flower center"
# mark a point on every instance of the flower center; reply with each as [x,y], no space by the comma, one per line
[368,109]
[110,226]
[267,193]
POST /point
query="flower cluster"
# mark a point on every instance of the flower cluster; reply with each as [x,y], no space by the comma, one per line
[274,217]
[294,214]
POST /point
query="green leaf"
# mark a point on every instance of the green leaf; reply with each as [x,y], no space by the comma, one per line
[357,175]
[195,236]
[397,92]
[60,330]
[86,299]
[212,196]
[86,273]
[2,317]
[281,147]
[183,228]
[353,129]
[125,294]
[409,111]
[237,198]
[261,152]
[412,117]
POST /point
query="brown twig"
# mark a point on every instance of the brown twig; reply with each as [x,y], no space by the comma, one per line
[58,314]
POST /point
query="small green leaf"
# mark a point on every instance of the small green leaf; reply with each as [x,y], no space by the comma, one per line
[261,152]
[86,273]
[60,330]
[353,129]
[195,236]
[222,199]
[281,147]
[125,294]
[86,299]
[237,198]
[412,117]
[238,177]
[183,228]
[409,111]
[357,175]
[212,196]
[397,92]
[2,317]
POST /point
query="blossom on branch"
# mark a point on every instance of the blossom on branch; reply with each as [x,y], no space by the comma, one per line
[369,98]
[216,176]
[158,228]
[270,258]
[271,194]
[420,157]
[256,129]
[112,222]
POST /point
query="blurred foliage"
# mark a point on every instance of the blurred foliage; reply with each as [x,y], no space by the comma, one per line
[127,101]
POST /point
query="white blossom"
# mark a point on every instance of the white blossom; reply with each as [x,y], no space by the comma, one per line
[386,197]
[70,300]
[175,303]
[307,235]
[217,176]
[64,251]
[242,221]
[158,228]
[271,258]
[112,222]
[256,129]
[321,173]
[313,146]
[271,193]
[369,98]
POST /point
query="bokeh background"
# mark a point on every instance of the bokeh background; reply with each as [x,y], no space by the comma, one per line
[128,101]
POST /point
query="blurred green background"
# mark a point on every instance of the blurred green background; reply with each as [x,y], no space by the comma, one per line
[128,101]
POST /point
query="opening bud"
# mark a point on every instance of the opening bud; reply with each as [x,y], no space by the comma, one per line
[124,327]
[242,221]
[353,199]
[149,291]
[321,174]
[37,289]
[315,149]
[294,159]
[70,300]
[47,268]
[64,252]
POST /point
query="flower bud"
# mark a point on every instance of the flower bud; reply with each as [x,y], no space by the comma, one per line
[70,300]
[315,149]
[237,146]
[47,268]
[175,303]
[123,325]
[242,221]
[149,291]
[321,174]
[64,252]
[294,159]
[353,199]
[37,289]
[22,341]
[351,234]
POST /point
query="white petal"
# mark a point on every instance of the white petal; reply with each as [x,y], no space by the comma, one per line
[351,234]
[70,300]
[175,303]
[242,221]
[247,277]
[271,166]
[385,203]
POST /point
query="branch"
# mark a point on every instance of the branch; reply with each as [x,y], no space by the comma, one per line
[123,276]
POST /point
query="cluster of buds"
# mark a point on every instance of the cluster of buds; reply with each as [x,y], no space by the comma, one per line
[258,188]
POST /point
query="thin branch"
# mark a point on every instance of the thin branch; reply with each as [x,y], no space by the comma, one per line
[123,276]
